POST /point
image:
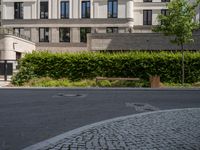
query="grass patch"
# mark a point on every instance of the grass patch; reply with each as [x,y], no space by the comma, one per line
[178,85]
[49,82]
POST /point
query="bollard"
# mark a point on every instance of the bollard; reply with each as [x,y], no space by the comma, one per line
[5,70]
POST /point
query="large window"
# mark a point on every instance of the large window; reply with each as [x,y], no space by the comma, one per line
[85,9]
[18,10]
[147,17]
[18,31]
[112,30]
[165,0]
[112,8]
[43,34]
[83,34]
[147,0]
[64,34]
[64,9]
[164,12]
[44,10]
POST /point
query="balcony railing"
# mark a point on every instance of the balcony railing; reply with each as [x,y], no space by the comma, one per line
[12,32]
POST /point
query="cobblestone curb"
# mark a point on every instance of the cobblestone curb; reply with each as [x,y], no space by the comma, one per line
[160,130]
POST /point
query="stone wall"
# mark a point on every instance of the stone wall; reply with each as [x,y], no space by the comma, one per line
[10,44]
[61,47]
[136,41]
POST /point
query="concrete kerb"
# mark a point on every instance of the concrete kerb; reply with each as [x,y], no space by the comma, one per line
[81,129]
[101,88]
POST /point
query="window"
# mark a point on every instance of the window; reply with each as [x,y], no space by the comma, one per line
[44,10]
[43,34]
[18,12]
[64,10]
[112,30]
[165,0]
[147,17]
[64,34]
[164,12]
[85,9]
[83,34]
[18,31]
[147,0]
[112,8]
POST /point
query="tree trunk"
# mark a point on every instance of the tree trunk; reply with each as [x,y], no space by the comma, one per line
[183,65]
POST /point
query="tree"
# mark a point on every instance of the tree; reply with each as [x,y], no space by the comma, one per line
[179,23]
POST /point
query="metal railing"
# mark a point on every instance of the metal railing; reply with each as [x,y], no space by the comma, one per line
[12,32]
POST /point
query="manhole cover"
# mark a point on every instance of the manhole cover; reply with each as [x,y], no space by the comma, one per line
[68,95]
[142,107]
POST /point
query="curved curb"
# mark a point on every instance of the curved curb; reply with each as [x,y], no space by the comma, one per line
[78,130]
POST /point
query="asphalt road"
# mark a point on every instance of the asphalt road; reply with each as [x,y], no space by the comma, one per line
[28,116]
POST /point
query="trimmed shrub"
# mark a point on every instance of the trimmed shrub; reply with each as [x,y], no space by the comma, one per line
[88,65]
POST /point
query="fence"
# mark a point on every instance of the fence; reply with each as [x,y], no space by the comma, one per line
[12,32]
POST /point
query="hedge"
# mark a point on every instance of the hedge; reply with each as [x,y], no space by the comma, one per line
[88,65]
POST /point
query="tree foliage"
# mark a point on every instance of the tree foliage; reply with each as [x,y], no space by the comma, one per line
[180,21]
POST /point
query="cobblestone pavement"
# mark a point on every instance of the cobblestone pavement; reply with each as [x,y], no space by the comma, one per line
[160,130]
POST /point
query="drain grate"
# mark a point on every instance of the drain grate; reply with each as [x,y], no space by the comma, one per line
[68,95]
[142,107]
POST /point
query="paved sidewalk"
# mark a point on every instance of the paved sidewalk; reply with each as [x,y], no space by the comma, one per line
[161,130]
[4,83]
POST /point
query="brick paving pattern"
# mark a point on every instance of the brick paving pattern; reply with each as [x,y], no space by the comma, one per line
[172,130]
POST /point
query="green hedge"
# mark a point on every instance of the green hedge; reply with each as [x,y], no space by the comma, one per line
[88,65]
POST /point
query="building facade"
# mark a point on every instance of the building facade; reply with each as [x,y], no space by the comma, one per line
[64,24]
[0,13]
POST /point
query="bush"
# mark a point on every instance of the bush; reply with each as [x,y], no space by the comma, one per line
[88,65]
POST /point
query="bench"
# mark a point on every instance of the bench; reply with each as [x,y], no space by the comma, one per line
[121,79]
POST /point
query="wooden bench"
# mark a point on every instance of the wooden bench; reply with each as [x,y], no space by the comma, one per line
[121,79]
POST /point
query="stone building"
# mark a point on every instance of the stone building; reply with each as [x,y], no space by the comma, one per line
[63,25]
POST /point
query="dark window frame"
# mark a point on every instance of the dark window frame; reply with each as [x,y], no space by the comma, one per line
[83,38]
[65,40]
[19,31]
[45,13]
[18,10]
[146,20]
[165,1]
[87,13]
[146,1]
[113,29]
[66,15]
[164,12]
[45,39]
[112,15]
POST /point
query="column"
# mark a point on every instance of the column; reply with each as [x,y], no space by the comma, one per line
[54,9]
[91,9]
[34,11]
[129,6]
[96,10]
[54,35]
[75,9]
[38,9]
[70,8]
[34,35]
[75,35]
[50,9]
